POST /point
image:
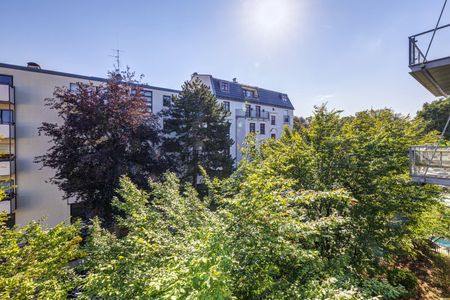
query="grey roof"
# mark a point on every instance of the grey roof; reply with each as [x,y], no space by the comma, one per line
[91,78]
[236,92]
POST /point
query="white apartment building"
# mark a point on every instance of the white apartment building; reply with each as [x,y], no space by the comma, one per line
[253,110]
[23,90]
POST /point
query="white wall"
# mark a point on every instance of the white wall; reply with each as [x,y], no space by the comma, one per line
[240,127]
[36,198]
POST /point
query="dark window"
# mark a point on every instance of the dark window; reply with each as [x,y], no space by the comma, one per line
[258,111]
[249,94]
[248,108]
[6,79]
[6,116]
[262,128]
[149,99]
[73,87]
[224,87]
[272,120]
[226,105]
[167,101]
[252,127]
[286,119]
[273,136]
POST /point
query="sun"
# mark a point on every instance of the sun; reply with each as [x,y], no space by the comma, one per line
[270,20]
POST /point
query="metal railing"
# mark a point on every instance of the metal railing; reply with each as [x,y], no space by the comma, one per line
[253,114]
[416,54]
[430,161]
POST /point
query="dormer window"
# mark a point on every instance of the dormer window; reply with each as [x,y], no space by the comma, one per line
[284,98]
[250,94]
[224,86]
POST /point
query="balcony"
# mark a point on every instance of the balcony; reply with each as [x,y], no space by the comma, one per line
[8,204]
[261,115]
[430,66]
[430,164]
[6,93]
[7,166]
[6,131]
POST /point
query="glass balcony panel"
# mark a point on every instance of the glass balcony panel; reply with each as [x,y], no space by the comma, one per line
[6,93]
[6,131]
[7,206]
[430,164]
[7,168]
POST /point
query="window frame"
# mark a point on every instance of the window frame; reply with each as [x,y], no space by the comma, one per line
[149,103]
[252,127]
[262,128]
[10,82]
[165,98]
[273,120]
[258,111]
[224,86]
[226,105]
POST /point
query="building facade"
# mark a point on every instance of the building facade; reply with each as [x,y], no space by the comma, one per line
[23,90]
[252,110]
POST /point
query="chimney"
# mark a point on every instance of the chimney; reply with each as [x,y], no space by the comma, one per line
[235,80]
[33,65]
[194,74]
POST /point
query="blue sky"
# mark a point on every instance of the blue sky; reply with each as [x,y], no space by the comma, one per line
[349,53]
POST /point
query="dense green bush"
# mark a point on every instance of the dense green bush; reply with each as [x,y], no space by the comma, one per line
[326,213]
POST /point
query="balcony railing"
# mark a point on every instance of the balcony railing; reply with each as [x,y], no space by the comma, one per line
[421,54]
[7,167]
[8,204]
[263,115]
[6,93]
[430,164]
[6,131]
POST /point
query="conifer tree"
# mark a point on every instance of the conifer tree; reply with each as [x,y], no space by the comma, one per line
[196,133]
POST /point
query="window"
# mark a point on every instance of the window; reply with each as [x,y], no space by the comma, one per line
[272,120]
[248,108]
[273,136]
[148,95]
[258,111]
[262,128]
[167,101]
[286,118]
[6,116]
[252,127]
[249,94]
[6,79]
[73,87]
[284,98]
[226,105]
[224,87]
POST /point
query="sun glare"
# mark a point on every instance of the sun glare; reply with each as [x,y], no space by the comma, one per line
[270,20]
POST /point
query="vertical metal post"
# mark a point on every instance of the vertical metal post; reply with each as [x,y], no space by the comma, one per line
[436,147]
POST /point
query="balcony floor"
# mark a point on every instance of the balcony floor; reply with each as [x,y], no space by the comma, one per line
[434,76]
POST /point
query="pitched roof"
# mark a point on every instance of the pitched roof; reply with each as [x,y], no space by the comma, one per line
[236,92]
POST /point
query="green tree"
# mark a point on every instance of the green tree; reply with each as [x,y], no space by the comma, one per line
[197,133]
[366,155]
[106,131]
[35,262]
[435,115]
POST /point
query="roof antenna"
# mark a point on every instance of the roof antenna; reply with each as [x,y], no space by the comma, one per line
[117,57]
